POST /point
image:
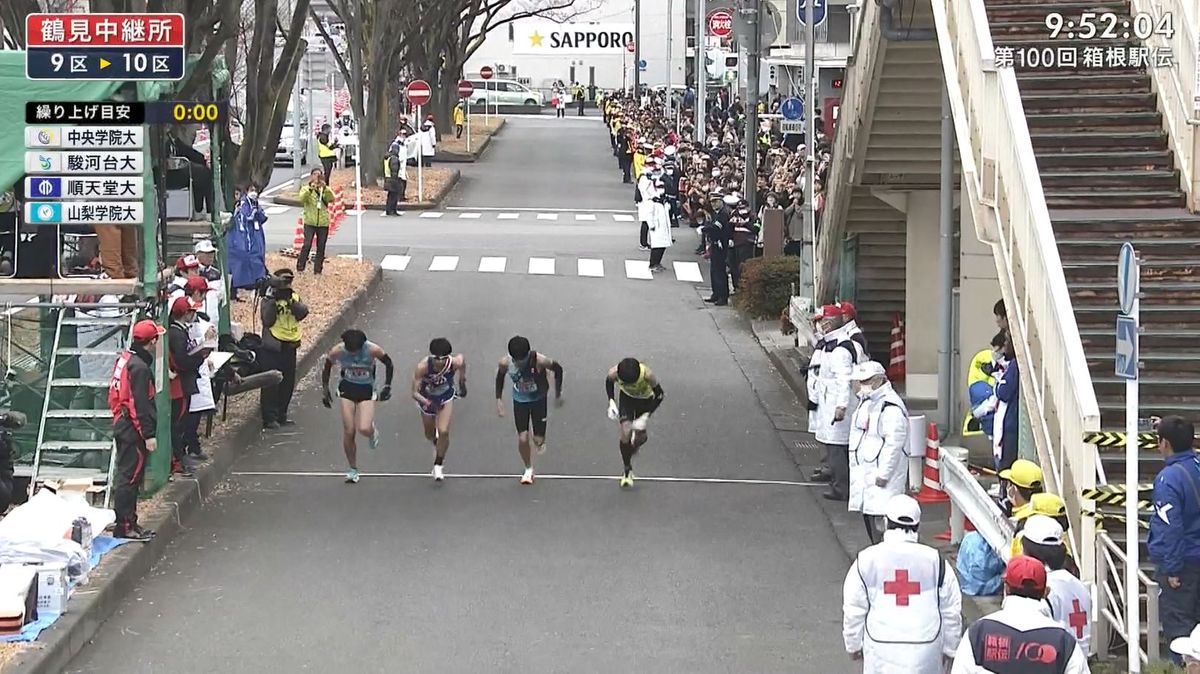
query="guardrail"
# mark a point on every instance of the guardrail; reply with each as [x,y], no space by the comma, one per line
[969,497]
[1110,584]
[1176,86]
[1004,190]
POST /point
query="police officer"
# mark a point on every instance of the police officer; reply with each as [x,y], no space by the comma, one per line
[393,169]
[281,314]
[135,418]
[670,178]
[718,233]
[1174,543]
[901,603]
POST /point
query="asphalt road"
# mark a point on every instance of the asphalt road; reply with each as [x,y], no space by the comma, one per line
[290,569]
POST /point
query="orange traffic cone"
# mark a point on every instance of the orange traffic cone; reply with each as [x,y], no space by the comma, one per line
[298,239]
[931,483]
[896,368]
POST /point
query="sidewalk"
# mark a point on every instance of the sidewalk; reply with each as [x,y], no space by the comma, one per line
[848,526]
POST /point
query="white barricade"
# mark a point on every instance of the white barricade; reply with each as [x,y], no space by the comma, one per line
[969,500]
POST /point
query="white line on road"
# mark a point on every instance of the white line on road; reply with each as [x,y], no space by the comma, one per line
[638,269]
[622,217]
[494,265]
[508,216]
[541,265]
[272,190]
[469,216]
[687,271]
[444,263]
[431,214]
[395,262]
[276,210]
[355,211]
[585,217]
[547,216]
[590,267]
[543,209]
[492,476]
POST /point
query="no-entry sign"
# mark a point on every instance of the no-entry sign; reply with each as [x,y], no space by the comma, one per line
[465,89]
[418,92]
[486,72]
[720,23]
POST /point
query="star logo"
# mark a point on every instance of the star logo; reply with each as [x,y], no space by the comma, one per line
[536,39]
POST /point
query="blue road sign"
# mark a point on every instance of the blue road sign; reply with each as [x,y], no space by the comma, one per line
[1127,277]
[44,188]
[642,64]
[818,12]
[1127,347]
[42,213]
[792,109]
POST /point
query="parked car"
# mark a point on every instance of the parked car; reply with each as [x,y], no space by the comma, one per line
[283,153]
[504,92]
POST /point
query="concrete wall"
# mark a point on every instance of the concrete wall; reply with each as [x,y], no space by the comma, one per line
[979,288]
[921,317]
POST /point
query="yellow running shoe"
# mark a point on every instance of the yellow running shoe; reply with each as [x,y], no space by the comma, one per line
[627,480]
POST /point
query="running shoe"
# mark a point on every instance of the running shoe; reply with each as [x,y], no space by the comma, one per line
[374,437]
[541,449]
[527,478]
[352,476]
[627,480]
[437,473]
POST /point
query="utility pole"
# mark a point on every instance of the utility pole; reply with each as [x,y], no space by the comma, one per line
[700,50]
[637,50]
[296,168]
[810,136]
[670,97]
[751,11]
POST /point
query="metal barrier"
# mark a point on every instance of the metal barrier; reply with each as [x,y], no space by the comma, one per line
[969,498]
[1110,605]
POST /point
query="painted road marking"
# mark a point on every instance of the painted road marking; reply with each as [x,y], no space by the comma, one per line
[431,214]
[533,209]
[638,269]
[494,476]
[622,217]
[507,216]
[272,190]
[585,217]
[547,216]
[355,211]
[493,265]
[590,267]
[541,265]
[688,271]
[276,210]
[395,262]
[444,263]
[469,216]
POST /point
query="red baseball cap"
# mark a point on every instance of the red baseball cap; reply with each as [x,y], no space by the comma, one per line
[181,306]
[828,311]
[146,330]
[1025,573]
[847,309]
[196,284]
[187,262]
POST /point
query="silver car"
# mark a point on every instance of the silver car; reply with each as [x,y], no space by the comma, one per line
[504,92]
[283,153]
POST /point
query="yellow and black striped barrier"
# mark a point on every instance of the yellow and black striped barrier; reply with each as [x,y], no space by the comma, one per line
[1119,488]
[1112,439]
[1102,518]
[1107,497]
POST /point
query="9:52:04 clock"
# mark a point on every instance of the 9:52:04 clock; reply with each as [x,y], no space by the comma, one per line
[1109,26]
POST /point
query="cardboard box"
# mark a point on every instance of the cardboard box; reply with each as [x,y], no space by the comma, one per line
[52,588]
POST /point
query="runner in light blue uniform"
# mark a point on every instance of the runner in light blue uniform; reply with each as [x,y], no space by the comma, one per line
[356,358]
[527,370]
[434,390]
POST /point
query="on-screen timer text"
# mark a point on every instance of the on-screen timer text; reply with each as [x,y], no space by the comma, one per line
[1110,26]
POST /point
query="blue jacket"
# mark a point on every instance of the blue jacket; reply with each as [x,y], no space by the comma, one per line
[1008,390]
[1175,524]
[246,244]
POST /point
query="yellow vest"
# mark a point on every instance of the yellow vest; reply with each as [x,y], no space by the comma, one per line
[638,389]
[324,150]
[286,328]
[387,167]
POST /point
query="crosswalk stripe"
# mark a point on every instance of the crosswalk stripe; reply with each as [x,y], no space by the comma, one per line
[621,217]
[508,216]
[541,265]
[444,263]
[431,214]
[395,262]
[638,269]
[493,265]
[469,216]
[547,216]
[276,210]
[590,267]
[585,217]
[688,271]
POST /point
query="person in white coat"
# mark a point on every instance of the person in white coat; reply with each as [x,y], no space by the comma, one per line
[1069,599]
[1021,636]
[812,380]
[901,602]
[645,201]
[660,226]
[878,439]
[837,403]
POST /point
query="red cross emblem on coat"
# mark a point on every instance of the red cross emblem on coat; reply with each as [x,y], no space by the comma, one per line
[1078,618]
[901,587]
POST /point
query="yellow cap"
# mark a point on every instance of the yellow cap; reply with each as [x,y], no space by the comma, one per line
[1048,504]
[1025,474]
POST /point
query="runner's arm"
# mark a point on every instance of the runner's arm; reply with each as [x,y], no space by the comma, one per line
[656,386]
[610,384]
[389,368]
[462,376]
[501,372]
[555,367]
[418,373]
[328,367]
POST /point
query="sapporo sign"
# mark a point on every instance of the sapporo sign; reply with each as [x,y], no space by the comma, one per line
[552,39]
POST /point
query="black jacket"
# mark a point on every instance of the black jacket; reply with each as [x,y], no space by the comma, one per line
[187,366]
[141,388]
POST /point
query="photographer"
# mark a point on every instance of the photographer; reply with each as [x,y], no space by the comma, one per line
[281,311]
[315,197]
[8,421]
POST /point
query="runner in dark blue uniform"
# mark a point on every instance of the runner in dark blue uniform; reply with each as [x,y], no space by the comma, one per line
[356,358]
[527,370]
[434,390]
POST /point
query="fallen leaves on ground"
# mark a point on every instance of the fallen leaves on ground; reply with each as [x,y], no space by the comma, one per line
[480,131]
[437,183]
[9,651]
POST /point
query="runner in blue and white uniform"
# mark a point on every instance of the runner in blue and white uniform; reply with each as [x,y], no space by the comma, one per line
[527,369]
[356,357]
[434,390]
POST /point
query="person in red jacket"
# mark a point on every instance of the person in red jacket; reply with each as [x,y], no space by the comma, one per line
[131,400]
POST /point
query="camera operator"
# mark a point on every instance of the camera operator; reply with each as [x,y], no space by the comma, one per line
[8,421]
[281,312]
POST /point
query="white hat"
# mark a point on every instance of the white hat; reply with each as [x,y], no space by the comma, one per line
[205,246]
[669,150]
[730,199]
[1042,530]
[868,370]
[904,509]
[1189,645]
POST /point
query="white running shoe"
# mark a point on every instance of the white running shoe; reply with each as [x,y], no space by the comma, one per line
[437,473]
[527,478]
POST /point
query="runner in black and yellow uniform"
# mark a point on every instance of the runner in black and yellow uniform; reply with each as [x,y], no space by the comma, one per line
[641,394]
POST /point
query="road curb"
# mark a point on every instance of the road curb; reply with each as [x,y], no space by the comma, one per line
[455,174]
[473,156]
[125,567]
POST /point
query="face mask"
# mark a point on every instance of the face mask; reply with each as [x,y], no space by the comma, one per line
[865,390]
[253,196]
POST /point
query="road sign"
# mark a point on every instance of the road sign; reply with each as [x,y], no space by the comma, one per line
[465,89]
[642,65]
[792,109]
[486,72]
[418,92]
[1127,347]
[1128,272]
[819,12]
[631,46]
[720,23]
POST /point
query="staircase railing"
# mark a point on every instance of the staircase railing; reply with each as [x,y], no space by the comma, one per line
[849,142]
[1110,584]
[1003,187]
[1176,85]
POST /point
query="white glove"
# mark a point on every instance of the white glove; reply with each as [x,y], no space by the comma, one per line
[612,410]
[639,424]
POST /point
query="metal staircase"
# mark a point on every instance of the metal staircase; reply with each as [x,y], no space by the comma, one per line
[74,439]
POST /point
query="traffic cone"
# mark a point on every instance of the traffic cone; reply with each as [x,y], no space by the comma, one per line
[298,239]
[931,483]
[896,367]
